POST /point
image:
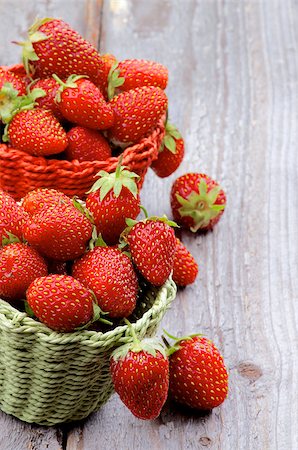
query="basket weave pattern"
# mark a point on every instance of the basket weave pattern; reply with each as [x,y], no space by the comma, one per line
[21,172]
[48,377]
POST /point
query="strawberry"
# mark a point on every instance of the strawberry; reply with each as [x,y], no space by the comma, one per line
[152,245]
[6,76]
[19,266]
[19,71]
[81,102]
[133,73]
[35,201]
[197,201]
[112,198]
[87,145]
[12,217]
[136,113]
[170,154]
[185,268]
[59,231]
[140,374]
[60,302]
[110,275]
[34,130]
[198,376]
[50,87]
[54,47]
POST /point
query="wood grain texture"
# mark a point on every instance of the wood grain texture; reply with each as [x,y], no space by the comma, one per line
[233,94]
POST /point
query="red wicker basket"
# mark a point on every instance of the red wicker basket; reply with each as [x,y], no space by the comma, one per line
[20,172]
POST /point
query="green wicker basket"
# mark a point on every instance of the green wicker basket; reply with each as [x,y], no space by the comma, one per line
[48,377]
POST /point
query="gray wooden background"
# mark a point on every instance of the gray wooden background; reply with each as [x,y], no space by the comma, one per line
[233,93]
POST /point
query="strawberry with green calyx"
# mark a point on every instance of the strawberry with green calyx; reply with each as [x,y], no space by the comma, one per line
[40,198]
[140,374]
[28,128]
[136,113]
[197,201]
[81,102]
[112,198]
[185,267]
[85,144]
[12,218]
[133,73]
[152,246]
[20,265]
[110,275]
[62,303]
[54,47]
[170,154]
[198,376]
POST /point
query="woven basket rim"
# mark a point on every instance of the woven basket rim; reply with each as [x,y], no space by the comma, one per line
[20,322]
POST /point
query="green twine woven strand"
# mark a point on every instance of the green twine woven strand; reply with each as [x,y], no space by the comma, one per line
[48,377]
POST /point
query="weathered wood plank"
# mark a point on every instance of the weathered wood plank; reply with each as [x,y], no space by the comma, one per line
[233,93]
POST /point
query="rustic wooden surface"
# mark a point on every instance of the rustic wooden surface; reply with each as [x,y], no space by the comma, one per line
[233,93]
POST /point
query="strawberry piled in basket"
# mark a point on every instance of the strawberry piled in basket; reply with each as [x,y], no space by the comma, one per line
[69,112]
[91,126]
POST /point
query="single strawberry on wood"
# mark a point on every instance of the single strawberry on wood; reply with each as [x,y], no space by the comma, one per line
[54,47]
[140,374]
[185,268]
[197,201]
[170,154]
[152,245]
[85,144]
[60,302]
[109,273]
[81,102]
[20,265]
[136,112]
[198,376]
[113,198]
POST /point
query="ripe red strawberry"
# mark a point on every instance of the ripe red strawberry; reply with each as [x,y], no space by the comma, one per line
[50,87]
[198,376]
[152,245]
[60,302]
[170,154]
[185,268]
[137,112]
[19,71]
[87,145]
[134,73]
[59,231]
[34,130]
[35,201]
[19,266]
[113,198]
[197,201]
[12,216]
[37,132]
[140,374]
[54,47]
[110,275]
[81,102]
[9,77]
